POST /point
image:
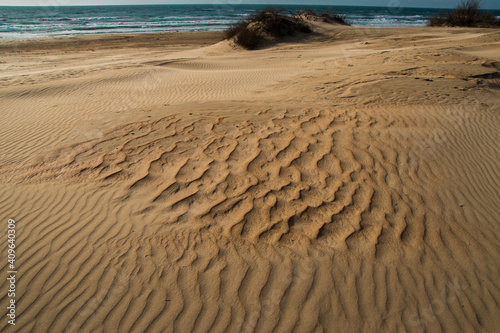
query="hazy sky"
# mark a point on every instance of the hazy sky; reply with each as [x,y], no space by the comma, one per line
[487,4]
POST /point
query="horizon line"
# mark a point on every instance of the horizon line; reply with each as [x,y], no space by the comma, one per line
[212,4]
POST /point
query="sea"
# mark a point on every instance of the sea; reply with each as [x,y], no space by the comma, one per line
[45,21]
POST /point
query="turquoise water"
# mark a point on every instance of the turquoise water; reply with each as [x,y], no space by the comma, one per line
[25,22]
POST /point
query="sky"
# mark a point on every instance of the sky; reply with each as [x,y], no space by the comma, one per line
[486,4]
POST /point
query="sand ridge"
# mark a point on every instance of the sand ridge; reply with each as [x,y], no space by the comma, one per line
[326,185]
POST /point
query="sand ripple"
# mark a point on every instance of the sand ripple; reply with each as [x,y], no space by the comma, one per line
[338,212]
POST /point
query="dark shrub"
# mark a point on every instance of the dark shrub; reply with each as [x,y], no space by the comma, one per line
[329,16]
[466,14]
[273,22]
[248,38]
[235,29]
[269,23]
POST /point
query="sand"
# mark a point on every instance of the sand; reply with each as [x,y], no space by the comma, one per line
[344,182]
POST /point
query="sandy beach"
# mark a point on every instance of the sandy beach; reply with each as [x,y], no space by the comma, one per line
[344,182]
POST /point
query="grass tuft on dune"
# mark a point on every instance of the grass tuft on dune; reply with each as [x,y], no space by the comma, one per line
[467,14]
[273,24]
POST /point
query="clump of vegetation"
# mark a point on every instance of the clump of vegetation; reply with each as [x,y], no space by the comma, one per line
[248,38]
[273,24]
[467,14]
[329,16]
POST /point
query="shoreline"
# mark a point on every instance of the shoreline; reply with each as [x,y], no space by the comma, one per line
[114,40]
[199,35]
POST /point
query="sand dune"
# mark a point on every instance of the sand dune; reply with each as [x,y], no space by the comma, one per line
[327,186]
